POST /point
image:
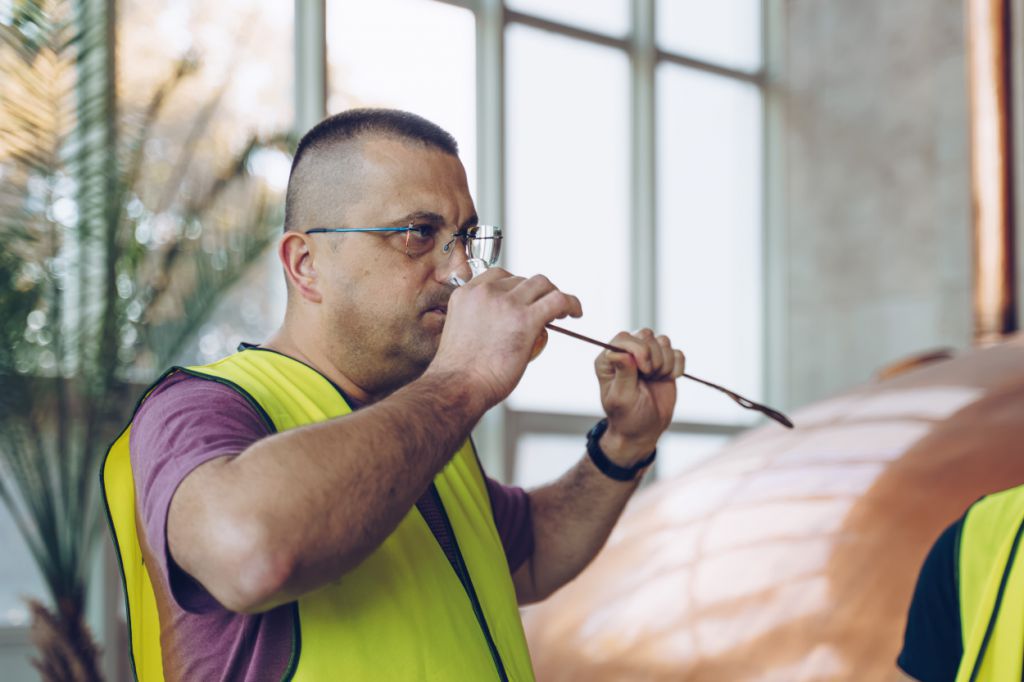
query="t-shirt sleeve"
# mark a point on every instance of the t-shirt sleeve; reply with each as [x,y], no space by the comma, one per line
[932,646]
[511,507]
[184,422]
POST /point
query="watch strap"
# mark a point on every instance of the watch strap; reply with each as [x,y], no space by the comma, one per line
[605,465]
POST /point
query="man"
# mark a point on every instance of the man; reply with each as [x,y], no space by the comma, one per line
[966,619]
[312,508]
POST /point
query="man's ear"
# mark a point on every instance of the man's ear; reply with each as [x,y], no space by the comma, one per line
[297,257]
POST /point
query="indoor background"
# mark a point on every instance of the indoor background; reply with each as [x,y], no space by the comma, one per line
[783,187]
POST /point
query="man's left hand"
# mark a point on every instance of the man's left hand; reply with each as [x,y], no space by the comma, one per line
[638,393]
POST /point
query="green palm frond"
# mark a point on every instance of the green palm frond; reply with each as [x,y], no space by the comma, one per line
[88,289]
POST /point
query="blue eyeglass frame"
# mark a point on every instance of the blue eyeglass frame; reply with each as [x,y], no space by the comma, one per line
[464,233]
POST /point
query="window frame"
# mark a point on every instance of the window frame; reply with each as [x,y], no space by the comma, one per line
[500,430]
[503,427]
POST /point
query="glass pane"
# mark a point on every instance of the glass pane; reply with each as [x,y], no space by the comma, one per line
[709,235]
[541,458]
[241,316]
[601,16]
[679,452]
[239,86]
[568,199]
[726,32]
[242,53]
[19,576]
[416,55]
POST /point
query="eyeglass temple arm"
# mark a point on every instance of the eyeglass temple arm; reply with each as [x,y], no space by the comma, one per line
[740,400]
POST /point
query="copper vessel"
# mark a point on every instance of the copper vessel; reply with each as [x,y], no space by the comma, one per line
[793,554]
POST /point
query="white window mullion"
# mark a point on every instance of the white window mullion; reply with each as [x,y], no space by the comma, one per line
[490,434]
[643,275]
[310,64]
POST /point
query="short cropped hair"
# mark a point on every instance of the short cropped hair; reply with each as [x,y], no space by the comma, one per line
[354,123]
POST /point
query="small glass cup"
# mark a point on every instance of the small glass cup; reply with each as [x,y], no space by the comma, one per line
[478,266]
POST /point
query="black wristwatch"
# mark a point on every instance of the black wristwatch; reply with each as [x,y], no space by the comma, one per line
[605,465]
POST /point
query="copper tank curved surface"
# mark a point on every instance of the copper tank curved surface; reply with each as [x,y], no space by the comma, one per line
[793,555]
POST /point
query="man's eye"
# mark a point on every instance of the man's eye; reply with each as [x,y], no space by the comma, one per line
[422,232]
[420,238]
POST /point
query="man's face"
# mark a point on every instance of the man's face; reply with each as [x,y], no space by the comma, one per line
[382,311]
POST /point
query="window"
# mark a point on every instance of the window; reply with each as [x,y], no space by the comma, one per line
[578,91]
[602,16]
[567,159]
[237,88]
[709,234]
[18,574]
[541,458]
[723,32]
[416,55]
[577,81]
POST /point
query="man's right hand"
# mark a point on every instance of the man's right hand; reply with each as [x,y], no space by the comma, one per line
[492,325]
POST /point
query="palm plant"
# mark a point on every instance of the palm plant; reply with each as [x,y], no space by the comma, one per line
[101,284]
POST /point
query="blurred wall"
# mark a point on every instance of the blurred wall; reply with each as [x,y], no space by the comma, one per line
[871,219]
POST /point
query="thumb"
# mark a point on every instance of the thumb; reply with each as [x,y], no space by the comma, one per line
[617,370]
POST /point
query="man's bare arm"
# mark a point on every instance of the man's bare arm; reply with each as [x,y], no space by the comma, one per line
[572,518]
[299,508]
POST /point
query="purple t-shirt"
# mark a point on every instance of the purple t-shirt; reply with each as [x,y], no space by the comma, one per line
[185,422]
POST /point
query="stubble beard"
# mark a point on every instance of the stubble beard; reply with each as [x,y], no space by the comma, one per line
[406,359]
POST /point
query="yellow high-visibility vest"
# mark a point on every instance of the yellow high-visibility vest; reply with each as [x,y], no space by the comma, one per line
[991,588]
[403,613]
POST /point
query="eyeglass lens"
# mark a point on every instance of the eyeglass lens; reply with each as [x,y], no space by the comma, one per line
[483,242]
